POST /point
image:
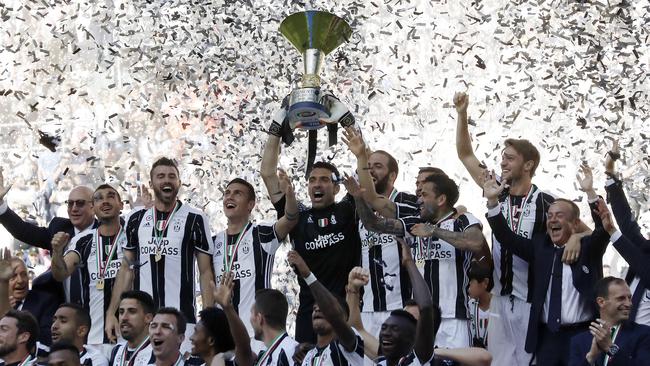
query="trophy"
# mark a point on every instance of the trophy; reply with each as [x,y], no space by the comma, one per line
[314,34]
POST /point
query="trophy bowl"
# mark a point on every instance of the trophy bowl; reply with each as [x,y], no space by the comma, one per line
[314,34]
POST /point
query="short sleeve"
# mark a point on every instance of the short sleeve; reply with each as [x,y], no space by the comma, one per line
[268,237]
[468,220]
[200,233]
[408,223]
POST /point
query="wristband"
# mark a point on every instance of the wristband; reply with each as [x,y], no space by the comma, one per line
[614,155]
[275,129]
[310,279]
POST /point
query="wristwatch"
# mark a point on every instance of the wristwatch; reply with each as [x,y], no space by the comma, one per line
[613,349]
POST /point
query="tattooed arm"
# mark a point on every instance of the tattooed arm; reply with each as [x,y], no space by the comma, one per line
[376,223]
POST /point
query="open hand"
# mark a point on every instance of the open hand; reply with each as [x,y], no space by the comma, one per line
[492,189]
[3,188]
[6,272]
[353,187]
[223,294]
[286,186]
[354,140]
[143,197]
[587,182]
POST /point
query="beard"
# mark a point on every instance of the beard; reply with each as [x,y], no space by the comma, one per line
[158,193]
[381,184]
[6,349]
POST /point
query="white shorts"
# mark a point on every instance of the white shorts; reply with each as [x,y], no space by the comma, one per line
[372,322]
[453,333]
[507,328]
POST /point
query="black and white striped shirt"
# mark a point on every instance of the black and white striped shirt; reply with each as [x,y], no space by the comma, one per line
[334,354]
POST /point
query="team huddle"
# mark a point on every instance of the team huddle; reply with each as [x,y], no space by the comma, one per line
[384,276]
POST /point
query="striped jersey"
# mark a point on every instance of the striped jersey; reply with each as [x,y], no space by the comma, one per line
[87,357]
[165,245]
[122,355]
[444,267]
[334,354]
[279,353]
[249,255]
[526,215]
[100,258]
[389,284]
[478,324]
[409,360]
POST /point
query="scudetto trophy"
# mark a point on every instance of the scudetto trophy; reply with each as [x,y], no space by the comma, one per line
[314,34]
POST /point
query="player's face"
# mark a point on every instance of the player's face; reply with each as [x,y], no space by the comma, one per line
[64,326]
[476,288]
[420,181]
[236,201]
[165,340]
[396,337]
[133,320]
[618,303]
[430,202]
[322,189]
[8,335]
[63,358]
[560,223]
[107,204]
[378,165]
[165,183]
[80,207]
[512,165]
[200,340]
[19,282]
[319,323]
[256,323]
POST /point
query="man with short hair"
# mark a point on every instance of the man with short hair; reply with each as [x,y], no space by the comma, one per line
[248,249]
[613,339]
[326,235]
[163,243]
[18,335]
[167,331]
[71,324]
[97,254]
[63,354]
[134,315]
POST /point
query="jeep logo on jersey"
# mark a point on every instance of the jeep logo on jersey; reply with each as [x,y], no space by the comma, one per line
[323,222]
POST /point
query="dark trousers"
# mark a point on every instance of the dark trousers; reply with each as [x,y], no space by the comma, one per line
[553,347]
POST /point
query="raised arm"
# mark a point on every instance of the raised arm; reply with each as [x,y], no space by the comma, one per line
[269,168]
[471,239]
[424,336]
[358,278]
[62,265]
[123,282]
[367,216]
[223,297]
[326,302]
[6,273]
[290,218]
[382,205]
[464,141]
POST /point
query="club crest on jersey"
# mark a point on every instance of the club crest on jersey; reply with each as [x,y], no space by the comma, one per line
[245,249]
[218,245]
[148,217]
[323,222]
[177,226]
[333,219]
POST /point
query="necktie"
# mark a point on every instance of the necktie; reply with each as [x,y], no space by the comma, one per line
[636,299]
[555,302]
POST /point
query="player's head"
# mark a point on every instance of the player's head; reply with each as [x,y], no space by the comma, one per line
[238,199]
[63,354]
[519,160]
[438,196]
[269,310]
[80,207]
[323,184]
[480,279]
[562,219]
[18,333]
[19,281]
[614,299]
[321,325]
[70,323]
[212,333]
[107,203]
[165,180]
[135,312]
[397,334]
[383,169]
[167,331]
[423,173]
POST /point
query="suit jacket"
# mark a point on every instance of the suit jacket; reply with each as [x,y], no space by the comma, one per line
[539,252]
[31,234]
[633,341]
[42,301]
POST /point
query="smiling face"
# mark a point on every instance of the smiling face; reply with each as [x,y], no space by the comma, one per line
[19,282]
[202,343]
[618,303]
[396,337]
[383,179]
[80,207]
[560,222]
[513,166]
[321,187]
[319,323]
[165,183]
[165,339]
[237,202]
[107,204]
[431,203]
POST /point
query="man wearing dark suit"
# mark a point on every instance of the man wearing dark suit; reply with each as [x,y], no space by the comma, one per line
[612,340]
[562,294]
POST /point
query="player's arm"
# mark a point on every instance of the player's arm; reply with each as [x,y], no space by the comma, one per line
[327,303]
[424,336]
[270,156]
[382,205]
[358,278]
[464,141]
[367,216]
[223,297]
[206,276]
[290,218]
[468,356]
[123,282]
[63,265]
[471,238]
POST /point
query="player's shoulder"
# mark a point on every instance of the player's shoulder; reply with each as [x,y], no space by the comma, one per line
[406,198]
[83,237]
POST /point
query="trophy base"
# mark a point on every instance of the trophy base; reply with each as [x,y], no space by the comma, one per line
[305,110]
